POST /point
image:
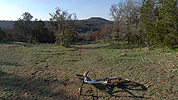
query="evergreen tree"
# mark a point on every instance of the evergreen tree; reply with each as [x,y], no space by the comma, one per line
[161,21]
[168,23]
[150,17]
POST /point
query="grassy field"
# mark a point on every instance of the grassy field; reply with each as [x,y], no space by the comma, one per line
[47,71]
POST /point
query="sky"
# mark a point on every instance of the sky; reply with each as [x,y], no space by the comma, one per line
[40,9]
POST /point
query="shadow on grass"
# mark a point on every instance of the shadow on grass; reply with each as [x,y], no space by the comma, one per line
[9,63]
[23,88]
[123,87]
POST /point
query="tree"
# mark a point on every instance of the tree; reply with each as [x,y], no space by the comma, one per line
[23,27]
[127,22]
[132,15]
[40,33]
[27,16]
[117,13]
[150,17]
[160,18]
[168,22]
[9,34]
[106,33]
[63,23]
[2,35]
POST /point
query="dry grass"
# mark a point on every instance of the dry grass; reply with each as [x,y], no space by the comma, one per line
[47,71]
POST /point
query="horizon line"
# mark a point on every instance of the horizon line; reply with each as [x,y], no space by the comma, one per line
[77,19]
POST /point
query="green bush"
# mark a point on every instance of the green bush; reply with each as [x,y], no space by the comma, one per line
[171,40]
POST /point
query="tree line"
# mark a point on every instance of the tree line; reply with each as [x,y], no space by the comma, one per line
[144,22]
[151,22]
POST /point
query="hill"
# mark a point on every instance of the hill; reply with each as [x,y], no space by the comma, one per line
[97,19]
[93,23]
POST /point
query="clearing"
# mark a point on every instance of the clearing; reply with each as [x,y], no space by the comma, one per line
[47,71]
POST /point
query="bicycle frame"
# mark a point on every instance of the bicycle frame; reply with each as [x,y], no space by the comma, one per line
[96,81]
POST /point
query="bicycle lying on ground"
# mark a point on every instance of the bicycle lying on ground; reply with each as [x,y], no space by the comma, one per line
[106,81]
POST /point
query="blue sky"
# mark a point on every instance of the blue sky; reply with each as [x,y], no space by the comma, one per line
[40,9]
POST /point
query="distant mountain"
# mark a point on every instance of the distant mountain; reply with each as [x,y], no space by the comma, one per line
[93,23]
[96,19]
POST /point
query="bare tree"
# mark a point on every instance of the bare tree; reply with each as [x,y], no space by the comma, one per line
[63,23]
[126,20]
[133,17]
[117,13]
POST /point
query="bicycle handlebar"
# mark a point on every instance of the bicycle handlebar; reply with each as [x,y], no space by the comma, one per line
[85,74]
[79,75]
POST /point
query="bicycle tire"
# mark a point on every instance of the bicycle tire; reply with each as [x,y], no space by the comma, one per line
[80,89]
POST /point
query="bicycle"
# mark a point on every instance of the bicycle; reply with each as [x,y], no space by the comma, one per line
[106,81]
